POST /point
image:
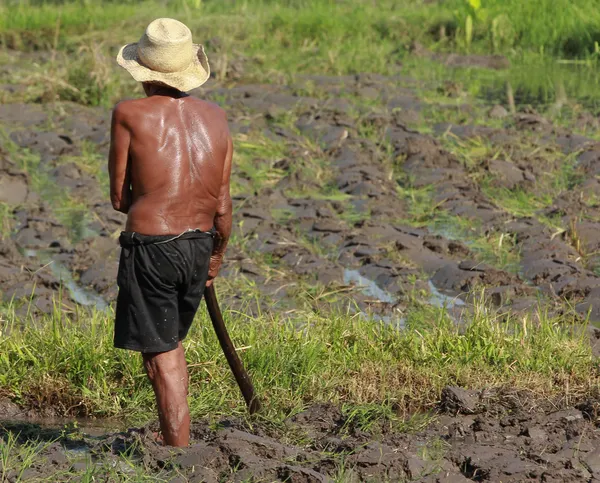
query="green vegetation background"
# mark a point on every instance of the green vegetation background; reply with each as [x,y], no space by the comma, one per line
[283,38]
[555,27]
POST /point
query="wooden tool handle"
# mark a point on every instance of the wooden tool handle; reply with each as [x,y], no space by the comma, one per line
[240,374]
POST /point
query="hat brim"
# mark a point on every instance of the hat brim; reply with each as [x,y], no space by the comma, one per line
[196,74]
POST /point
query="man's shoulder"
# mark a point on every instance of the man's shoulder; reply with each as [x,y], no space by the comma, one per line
[208,106]
[125,106]
[124,110]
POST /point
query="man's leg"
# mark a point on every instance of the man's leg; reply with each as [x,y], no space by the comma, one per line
[168,374]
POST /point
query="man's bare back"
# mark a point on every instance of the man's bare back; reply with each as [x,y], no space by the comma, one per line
[172,152]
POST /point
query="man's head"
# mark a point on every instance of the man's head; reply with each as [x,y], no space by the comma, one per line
[165,55]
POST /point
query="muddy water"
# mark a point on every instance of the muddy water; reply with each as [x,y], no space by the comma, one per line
[370,289]
[438,299]
[89,427]
[367,286]
[79,294]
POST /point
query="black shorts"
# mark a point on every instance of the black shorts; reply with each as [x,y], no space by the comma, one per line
[161,281]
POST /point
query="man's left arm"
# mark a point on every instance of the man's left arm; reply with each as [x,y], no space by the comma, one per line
[118,159]
[223,217]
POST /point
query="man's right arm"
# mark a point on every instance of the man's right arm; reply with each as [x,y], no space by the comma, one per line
[223,217]
[118,162]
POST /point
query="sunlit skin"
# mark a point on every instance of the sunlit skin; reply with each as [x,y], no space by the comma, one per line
[170,165]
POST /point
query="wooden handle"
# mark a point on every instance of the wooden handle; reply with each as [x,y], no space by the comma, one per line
[240,374]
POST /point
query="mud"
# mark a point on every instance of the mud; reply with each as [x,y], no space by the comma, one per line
[330,213]
[475,436]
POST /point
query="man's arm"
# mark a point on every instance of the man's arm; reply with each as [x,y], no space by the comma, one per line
[222,220]
[118,169]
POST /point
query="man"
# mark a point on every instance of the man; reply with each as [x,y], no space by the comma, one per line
[169,165]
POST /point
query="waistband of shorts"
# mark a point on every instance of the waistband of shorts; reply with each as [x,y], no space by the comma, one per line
[132,238]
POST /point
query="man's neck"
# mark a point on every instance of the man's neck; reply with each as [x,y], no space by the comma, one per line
[156,90]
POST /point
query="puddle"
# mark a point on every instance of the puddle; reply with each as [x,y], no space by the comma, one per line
[79,294]
[438,299]
[368,287]
[77,453]
[87,426]
[87,232]
[29,253]
[78,436]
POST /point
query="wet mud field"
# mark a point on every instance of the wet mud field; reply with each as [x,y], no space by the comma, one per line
[366,186]
[477,437]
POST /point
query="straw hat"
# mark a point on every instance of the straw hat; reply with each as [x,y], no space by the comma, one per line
[165,54]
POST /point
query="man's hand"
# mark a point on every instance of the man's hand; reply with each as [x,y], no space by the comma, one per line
[214,267]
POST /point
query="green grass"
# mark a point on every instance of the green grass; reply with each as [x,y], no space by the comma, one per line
[471,151]
[518,202]
[536,80]
[16,458]
[280,39]
[91,162]
[382,378]
[522,202]
[254,157]
[296,359]
[7,220]
[559,27]
[491,247]
[556,172]
[555,27]
[495,248]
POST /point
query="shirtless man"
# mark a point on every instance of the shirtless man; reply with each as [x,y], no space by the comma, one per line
[169,165]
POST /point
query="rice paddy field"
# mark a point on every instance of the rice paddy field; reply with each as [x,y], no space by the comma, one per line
[413,279]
